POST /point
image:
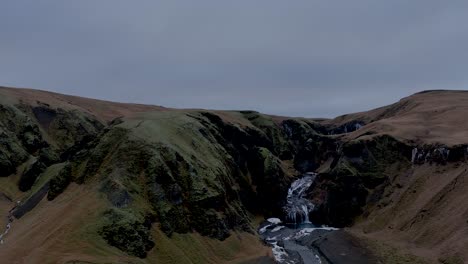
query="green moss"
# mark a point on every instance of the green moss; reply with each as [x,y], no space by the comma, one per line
[280,145]
[174,219]
[372,160]
[12,154]
[46,176]
[60,182]
[343,167]
[66,128]
[128,233]
[91,160]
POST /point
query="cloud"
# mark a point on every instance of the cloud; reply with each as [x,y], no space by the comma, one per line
[306,58]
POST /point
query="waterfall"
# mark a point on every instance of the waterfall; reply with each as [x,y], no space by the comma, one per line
[297,207]
[414,154]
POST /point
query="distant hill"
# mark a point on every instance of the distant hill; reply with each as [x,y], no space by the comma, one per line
[426,117]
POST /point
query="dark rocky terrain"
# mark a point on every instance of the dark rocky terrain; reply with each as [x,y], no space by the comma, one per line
[122,183]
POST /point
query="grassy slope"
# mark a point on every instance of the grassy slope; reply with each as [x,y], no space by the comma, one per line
[424,210]
[104,111]
[193,248]
[64,230]
[67,227]
[425,118]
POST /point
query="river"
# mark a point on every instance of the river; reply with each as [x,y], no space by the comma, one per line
[287,239]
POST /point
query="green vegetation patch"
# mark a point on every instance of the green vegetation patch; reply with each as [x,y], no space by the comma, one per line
[126,232]
[60,182]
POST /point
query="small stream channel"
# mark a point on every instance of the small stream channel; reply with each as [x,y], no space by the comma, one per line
[10,219]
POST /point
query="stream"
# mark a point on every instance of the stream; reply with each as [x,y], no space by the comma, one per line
[288,239]
[10,218]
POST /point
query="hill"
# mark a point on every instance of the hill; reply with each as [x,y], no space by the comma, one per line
[429,117]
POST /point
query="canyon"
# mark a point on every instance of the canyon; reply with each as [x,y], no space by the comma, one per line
[90,181]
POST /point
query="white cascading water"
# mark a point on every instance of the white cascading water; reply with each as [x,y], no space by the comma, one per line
[297,207]
[284,238]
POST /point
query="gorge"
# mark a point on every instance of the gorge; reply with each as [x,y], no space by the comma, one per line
[104,182]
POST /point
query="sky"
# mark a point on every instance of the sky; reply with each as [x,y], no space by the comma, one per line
[312,58]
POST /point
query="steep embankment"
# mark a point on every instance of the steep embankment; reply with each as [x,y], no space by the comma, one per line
[111,182]
[405,171]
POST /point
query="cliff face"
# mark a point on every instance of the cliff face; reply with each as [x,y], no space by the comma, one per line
[152,173]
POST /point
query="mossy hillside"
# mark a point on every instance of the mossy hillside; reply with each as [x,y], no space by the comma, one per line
[45,177]
[193,170]
[42,125]
[178,140]
[360,171]
[190,173]
[14,119]
[299,130]
[39,131]
[236,137]
[372,159]
[121,159]
[87,162]
[15,139]
[242,138]
[109,232]
[175,165]
[12,154]
[64,128]
[127,232]
[59,182]
[312,146]
[36,166]
[198,171]
[281,146]
[316,150]
[9,185]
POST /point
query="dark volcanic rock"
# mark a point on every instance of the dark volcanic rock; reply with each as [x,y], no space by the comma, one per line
[12,154]
[270,181]
[29,204]
[339,247]
[116,194]
[360,168]
[343,198]
[31,137]
[60,182]
[30,174]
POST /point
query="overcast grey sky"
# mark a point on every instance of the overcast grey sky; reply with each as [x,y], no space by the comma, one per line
[301,57]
